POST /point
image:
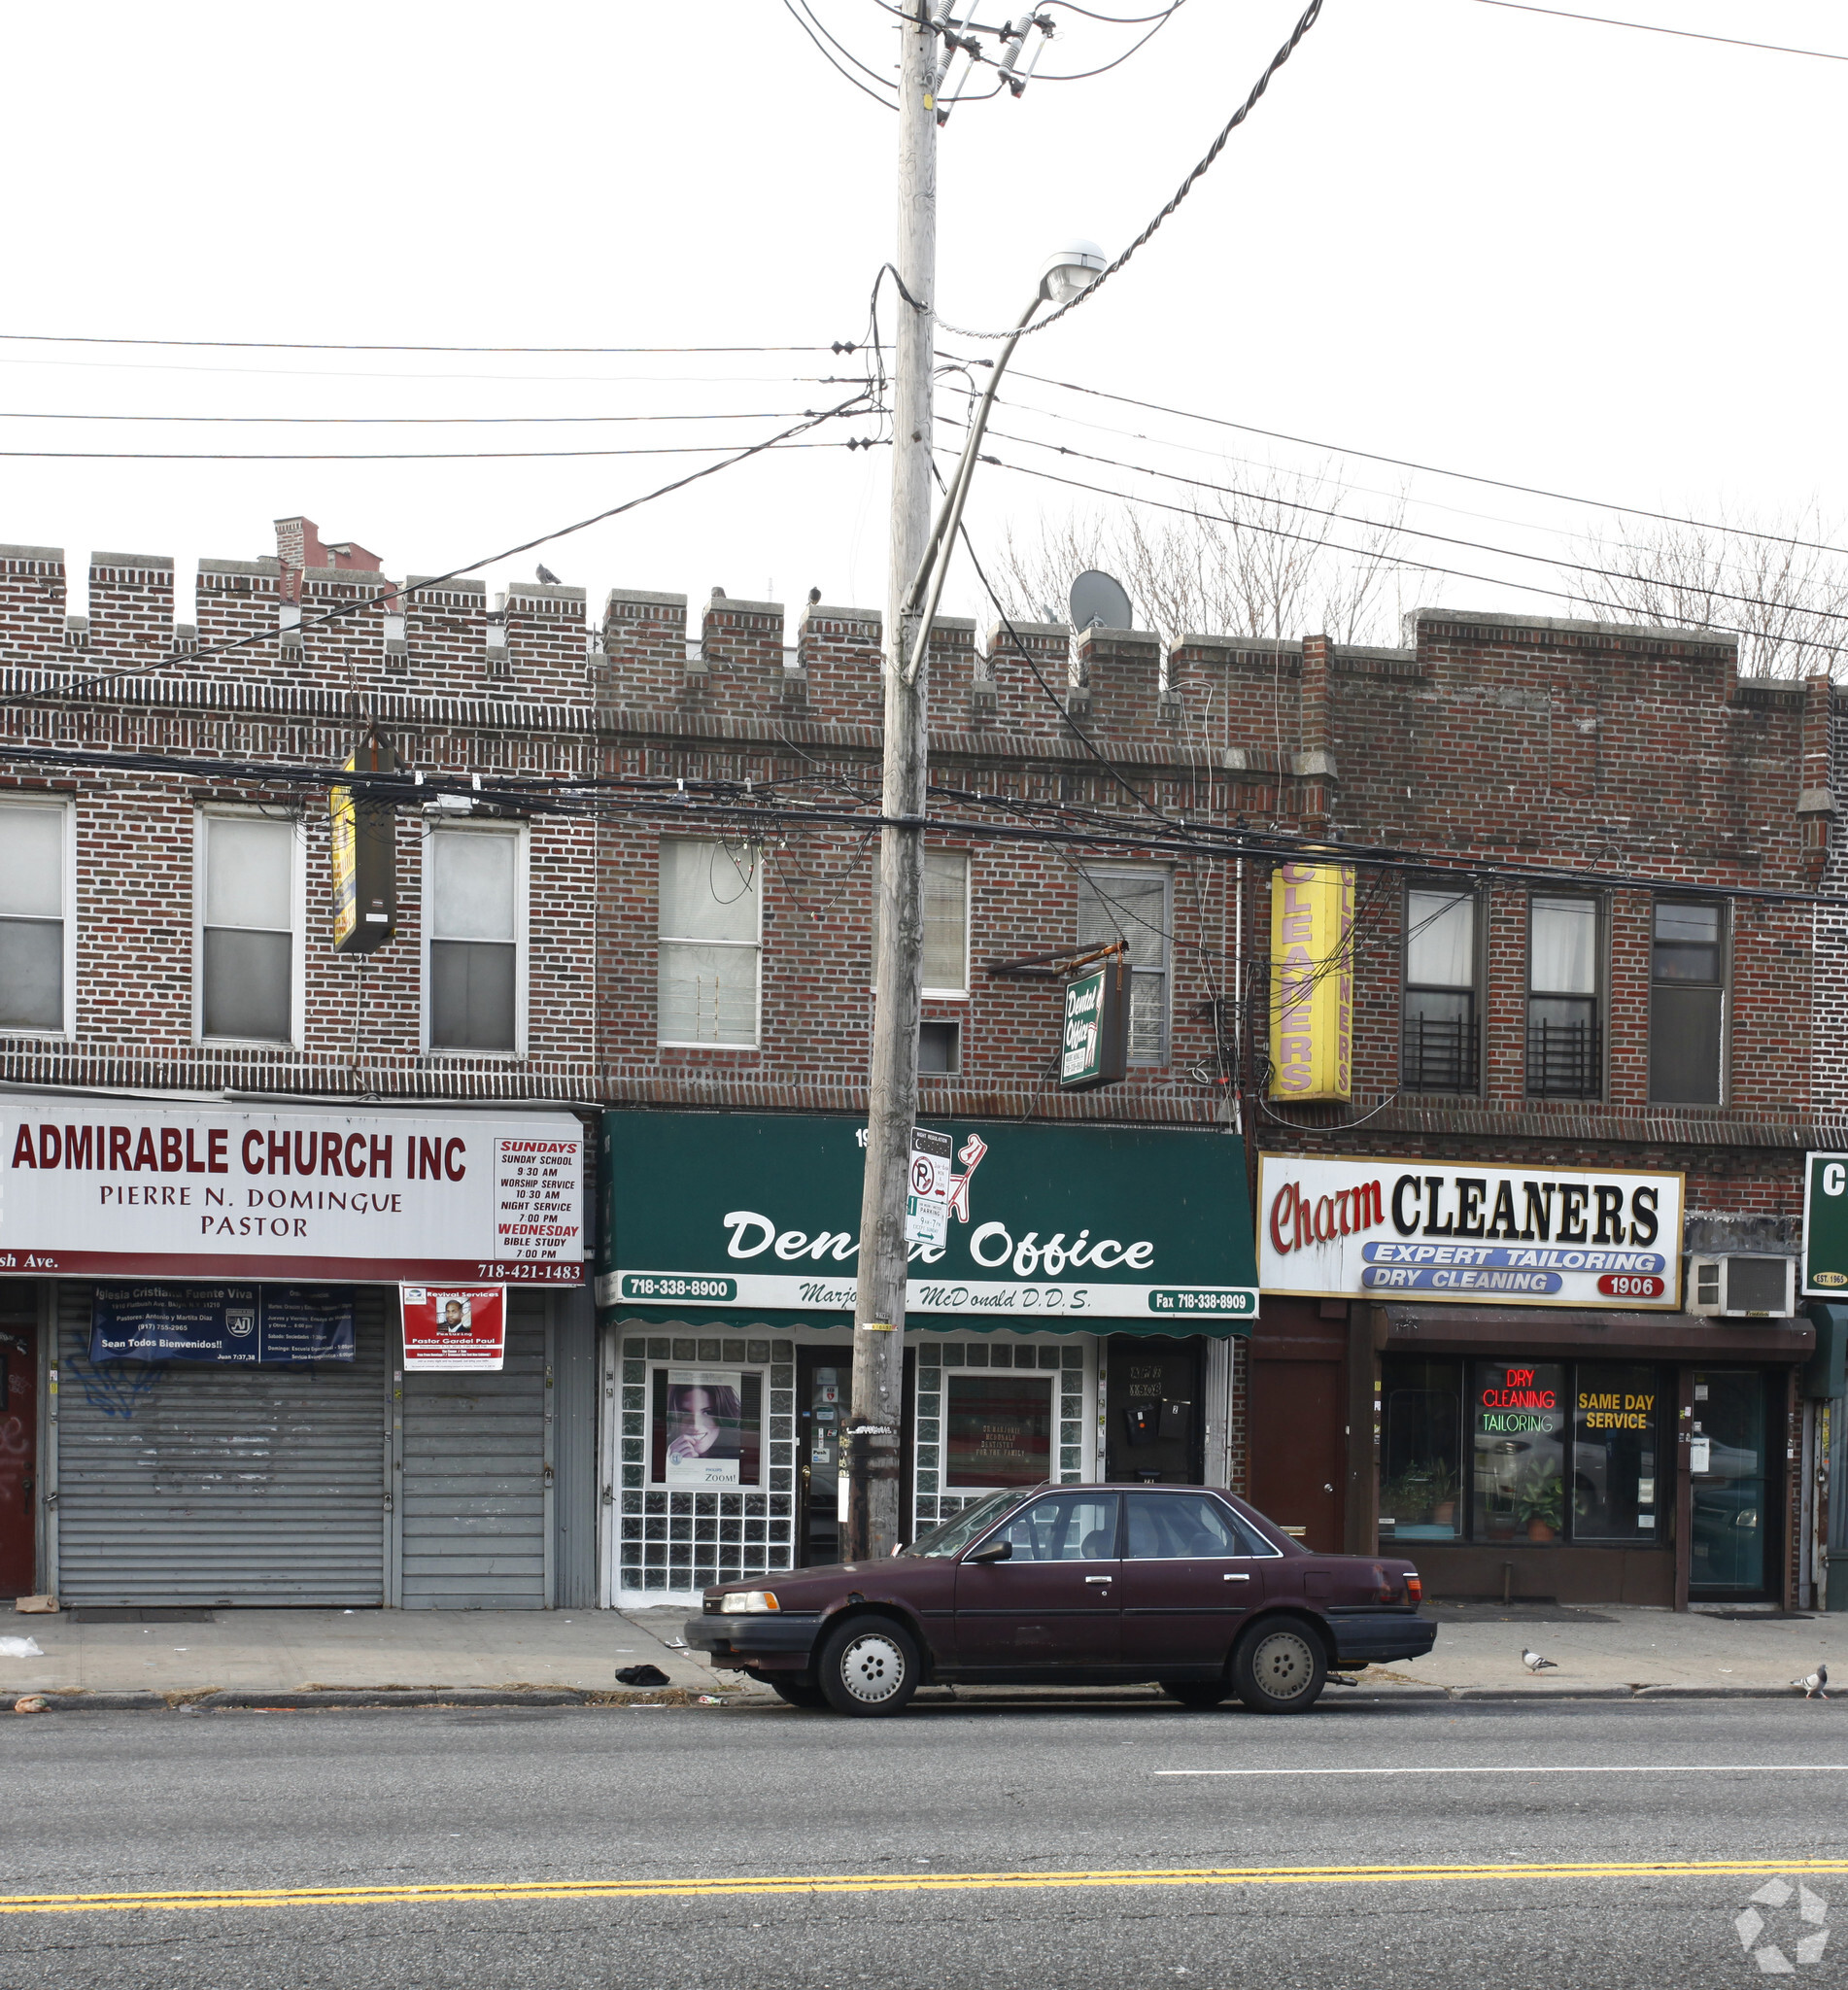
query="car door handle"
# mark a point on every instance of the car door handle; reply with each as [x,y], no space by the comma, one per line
[1235,1578]
[1097,1578]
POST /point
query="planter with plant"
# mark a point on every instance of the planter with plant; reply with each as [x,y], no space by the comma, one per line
[1540,1501]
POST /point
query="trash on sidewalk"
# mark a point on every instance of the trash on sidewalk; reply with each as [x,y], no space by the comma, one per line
[36,1607]
[32,1703]
[641,1675]
[21,1648]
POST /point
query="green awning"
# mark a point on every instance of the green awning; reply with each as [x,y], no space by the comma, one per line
[729,1218]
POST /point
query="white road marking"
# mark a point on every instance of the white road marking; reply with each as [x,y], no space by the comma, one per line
[1539,1768]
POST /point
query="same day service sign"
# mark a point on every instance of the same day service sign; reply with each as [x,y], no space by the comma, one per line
[1333,1226]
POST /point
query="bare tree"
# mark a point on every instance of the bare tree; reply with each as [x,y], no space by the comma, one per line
[1277,554]
[1772,580]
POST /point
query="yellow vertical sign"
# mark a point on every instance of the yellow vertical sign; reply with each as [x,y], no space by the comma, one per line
[1311,981]
[345,841]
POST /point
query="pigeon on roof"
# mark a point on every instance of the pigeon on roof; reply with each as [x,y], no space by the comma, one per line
[814,597]
[546,577]
[1534,1662]
[1814,1682]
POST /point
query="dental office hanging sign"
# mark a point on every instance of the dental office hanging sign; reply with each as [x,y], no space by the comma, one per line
[1485,1234]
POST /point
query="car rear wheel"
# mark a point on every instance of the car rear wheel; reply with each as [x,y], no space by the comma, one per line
[1279,1667]
[796,1692]
[1201,1693]
[869,1666]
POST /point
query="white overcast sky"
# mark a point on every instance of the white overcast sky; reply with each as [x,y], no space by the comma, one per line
[1563,255]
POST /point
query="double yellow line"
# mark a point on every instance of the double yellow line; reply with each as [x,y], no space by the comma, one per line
[811,1883]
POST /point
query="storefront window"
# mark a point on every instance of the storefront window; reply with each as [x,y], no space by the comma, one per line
[708,1426]
[998,1430]
[1617,1492]
[1421,1450]
[1518,1428]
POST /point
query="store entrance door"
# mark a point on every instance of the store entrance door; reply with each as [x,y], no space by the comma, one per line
[824,1389]
[1735,1485]
[1153,1395]
[18,1457]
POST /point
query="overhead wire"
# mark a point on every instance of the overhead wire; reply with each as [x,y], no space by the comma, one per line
[290,345]
[846,74]
[1649,27]
[371,454]
[402,420]
[865,68]
[1103,68]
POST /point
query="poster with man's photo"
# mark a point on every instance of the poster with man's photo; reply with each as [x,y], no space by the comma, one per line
[710,1420]
[454,1326]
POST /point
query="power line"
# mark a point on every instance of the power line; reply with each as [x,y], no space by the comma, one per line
[406,420]
[865,69]
[1408,531]
[845,75]
[1310,15]
[1103,68]
[372,456]
[1686,34]
[340,609]
[1426,468]
[289,345]
[1532,587]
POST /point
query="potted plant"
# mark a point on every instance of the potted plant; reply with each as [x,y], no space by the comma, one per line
[1540,1501]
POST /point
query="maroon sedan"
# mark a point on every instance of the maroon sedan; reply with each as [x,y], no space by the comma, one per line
[1073,1586]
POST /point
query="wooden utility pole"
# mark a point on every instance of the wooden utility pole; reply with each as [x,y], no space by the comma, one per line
[873,1451]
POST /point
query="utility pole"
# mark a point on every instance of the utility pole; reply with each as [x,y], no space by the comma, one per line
[873,1458]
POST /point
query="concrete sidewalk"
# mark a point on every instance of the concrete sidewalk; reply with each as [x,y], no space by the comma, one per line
[1610,1652]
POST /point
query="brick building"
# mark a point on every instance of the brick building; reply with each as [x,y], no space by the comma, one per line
[698,997]
[1660,1023]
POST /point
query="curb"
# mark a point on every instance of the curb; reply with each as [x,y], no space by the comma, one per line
[385,1696]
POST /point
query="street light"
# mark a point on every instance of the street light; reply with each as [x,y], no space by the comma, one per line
[1068,271]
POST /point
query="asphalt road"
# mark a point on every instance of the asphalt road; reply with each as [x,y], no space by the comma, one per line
[631,1808]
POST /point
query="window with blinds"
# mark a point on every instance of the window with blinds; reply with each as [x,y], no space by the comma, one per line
[709,943]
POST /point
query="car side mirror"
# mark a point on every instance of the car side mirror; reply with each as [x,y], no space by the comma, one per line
[994,1551]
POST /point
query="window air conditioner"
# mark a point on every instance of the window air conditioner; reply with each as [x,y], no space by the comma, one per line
[1740,1288]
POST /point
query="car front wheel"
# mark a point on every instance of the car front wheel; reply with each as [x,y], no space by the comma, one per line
[868,1667]
[1279,1667]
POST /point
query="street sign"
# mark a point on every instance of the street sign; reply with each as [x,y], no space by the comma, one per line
[926,1189]
[1095,1050]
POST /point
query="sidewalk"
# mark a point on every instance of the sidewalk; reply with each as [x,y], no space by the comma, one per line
[1611,1652]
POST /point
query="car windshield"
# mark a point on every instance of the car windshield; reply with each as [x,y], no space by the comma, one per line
[951,1536]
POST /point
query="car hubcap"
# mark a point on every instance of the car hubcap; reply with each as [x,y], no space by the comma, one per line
[872,1668]
[1283,1668]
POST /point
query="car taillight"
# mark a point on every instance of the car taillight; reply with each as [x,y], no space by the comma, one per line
[1413,1588]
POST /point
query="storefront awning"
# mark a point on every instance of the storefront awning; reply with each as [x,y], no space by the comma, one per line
[738,1219]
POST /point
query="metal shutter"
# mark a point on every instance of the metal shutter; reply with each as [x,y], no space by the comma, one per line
[474,1505]
[190,1483]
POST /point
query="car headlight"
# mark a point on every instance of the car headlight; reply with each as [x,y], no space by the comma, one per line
[740,1602]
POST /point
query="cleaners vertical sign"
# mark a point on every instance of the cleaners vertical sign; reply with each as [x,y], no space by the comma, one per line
[1311,981]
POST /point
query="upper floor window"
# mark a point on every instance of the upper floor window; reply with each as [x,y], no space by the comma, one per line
[946,925]
[709,943]
[37,934]
[1564,1058]
[1439,1024]
[249,904]
[474,924]
[1686,1003]
[1133,905]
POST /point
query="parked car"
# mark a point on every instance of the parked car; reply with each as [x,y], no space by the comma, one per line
[1074,1585]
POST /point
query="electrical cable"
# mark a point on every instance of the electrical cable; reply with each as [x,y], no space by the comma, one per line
[289,345]
[865,69]
[1408,531]
[1309,19]
[1118,20]
[1426,468]
[1413,565]
[847,76]
[1649,28]
[1086,75]
[370,456]
[343,608]
[408,421]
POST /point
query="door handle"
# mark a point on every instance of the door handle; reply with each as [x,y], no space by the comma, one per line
[1235,1578]
[1097,1578]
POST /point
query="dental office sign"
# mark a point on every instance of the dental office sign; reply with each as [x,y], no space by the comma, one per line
[1043,1226]
[93,1185]
[1484,1234]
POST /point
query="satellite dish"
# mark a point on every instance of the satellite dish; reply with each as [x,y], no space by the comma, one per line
[1099,602]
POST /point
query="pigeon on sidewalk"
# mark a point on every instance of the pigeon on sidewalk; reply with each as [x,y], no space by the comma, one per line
[1814,1682]
[1534,1662]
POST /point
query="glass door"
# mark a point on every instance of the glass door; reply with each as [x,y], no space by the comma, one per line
[824,1379]
[1733,1483]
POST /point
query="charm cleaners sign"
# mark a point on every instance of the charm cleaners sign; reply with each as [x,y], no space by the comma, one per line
[93,1185]
[1046,1227]
[1486,1234]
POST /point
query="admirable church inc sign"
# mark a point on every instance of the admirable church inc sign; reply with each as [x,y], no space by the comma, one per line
[1066,1229]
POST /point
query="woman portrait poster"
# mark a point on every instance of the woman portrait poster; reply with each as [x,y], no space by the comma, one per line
[705,1426]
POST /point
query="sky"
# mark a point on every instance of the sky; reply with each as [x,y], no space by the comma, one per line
[1559,255]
